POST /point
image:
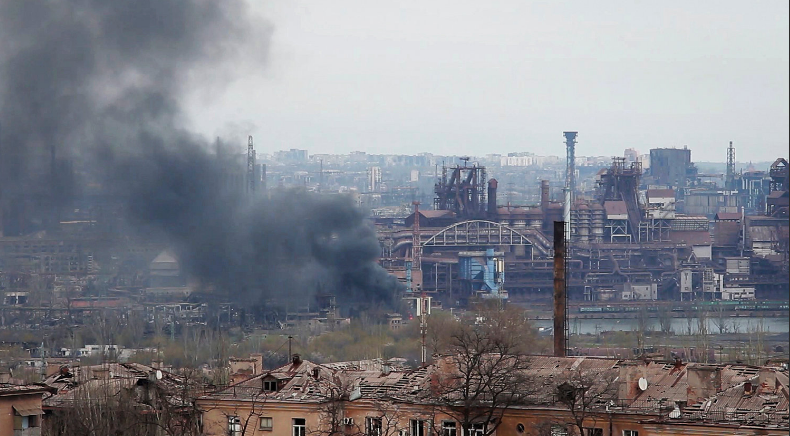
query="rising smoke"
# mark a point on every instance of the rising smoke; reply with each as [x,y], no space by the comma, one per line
[101,82]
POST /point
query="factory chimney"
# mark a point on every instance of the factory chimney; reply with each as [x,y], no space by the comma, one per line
[731,167]
[492,186]
[544,195]
[560,294]
[570,166]
[570,178]
[250,166]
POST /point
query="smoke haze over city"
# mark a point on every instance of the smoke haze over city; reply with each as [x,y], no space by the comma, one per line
[101,84]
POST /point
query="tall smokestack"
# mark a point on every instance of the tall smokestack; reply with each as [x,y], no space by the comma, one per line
[250,166]
[560,295]
[544,195]
[492,186]
[570,178]
[570,168]
[731,167]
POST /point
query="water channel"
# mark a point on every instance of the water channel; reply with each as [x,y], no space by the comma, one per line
[680,326]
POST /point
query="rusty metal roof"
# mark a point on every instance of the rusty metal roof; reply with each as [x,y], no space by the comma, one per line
[667,386]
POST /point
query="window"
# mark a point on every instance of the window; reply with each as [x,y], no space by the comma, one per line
[234,426]
[630,433]
[265,423]
[449,429]
[25,418]
[299,427]
[372,426]
[558,430]
[593,432]
[417,428]
[478,429]
[21,422]
[520,428]
[270,385]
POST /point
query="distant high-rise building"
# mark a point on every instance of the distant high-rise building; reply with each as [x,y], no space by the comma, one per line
[374,179]
[293,155]
[631,155]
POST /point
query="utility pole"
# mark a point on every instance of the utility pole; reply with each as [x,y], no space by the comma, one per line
[425,308]
[290,356]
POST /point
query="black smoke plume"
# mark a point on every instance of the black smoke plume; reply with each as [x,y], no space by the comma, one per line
[101,83]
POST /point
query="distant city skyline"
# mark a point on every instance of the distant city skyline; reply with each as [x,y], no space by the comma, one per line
[473,78]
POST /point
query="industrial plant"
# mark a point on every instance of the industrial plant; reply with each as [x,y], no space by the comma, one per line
[190,247]
[633,234]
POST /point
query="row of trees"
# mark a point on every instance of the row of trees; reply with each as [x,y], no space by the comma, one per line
[483,373]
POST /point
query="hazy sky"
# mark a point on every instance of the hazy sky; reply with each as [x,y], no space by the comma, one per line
[476,77]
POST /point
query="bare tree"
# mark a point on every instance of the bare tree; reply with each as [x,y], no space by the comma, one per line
[665,318]
[702,333]
[720,320]
[99,408]
[331,411]
[585,393]
[440,327]
[642,326]
[117,406]
[756,347]
[242,419]
[689,315]
[483,376]
[175,412]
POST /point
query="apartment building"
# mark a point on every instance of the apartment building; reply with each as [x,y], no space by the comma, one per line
[623,398]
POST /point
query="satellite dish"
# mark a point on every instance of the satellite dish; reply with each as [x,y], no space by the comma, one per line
[158,374]
[642,383]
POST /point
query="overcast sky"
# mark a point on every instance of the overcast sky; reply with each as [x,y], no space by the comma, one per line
[477,77]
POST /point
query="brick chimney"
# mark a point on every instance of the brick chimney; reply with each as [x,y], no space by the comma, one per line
[703,381]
